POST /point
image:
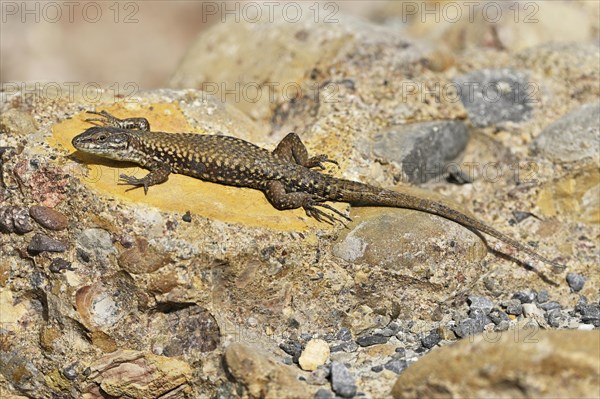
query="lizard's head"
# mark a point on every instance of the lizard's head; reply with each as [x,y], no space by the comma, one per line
[106,142]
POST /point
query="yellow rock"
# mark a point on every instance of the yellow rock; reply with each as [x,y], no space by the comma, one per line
[314,355]
[576,196]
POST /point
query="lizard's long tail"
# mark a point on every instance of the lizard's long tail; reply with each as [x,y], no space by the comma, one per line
[359,194]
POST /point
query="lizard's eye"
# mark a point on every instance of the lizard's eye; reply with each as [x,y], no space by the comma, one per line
[101,138]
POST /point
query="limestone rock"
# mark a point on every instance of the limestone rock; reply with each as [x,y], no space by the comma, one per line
[314,354]
[262,376]
[539,364]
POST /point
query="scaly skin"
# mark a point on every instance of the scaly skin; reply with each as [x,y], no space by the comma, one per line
[285,176]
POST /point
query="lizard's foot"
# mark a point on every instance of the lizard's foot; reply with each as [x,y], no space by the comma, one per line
[317,161]
[312,210]
[112,121]
[135,182]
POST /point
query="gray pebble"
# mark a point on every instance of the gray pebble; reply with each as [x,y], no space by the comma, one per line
[323,393]
[396,365]
[344,334]
[372,339]
[590,314]
[377,369]
[95,239]
[467,327]
[292,348]
[431,340]
[543,296]
[550,306]
[513,306]
[342,382]
[482,303]
[70,373]
[187,217]
[480,316]
[525,296]
[59,264]
[421,149]
[41,242]
[498,316]
[573,137]
[306,337]
[493,96]
[575,281]
[400,351]
[347,346]
[502,326]
[555,318]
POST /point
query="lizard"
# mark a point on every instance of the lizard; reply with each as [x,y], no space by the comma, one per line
[286,175]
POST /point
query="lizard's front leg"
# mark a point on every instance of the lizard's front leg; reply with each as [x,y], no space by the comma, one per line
[292,149]
[159,173]
[127,123]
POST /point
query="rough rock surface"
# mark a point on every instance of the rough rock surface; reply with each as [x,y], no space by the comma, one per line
[212,292]
[541,364]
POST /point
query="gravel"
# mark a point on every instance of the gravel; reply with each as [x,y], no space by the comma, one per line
[481,303]
[42,243]
[575,281]
[372,339]
[342,382]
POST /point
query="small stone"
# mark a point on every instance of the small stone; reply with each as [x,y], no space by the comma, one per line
[187,217]
[400,351]
[467,327]
[323,393]
[22,221]
[543,296]
[191,330]
[48,217]
[479,302]
[497,316]
[377,369]
[531,310]
[575,281]
[555,318]
[306,337]
[59,264]
[347,346]
[15,219]
[70,373]
[550,306]
[342,382]
[95,238]
[590,314]
[142,258]
[373,339]
[525,297]
[292,348]
[431,340]
[480,316]
[396,365]
[494,96]
[315,354]
[513,306]
[502,326]
[40,243]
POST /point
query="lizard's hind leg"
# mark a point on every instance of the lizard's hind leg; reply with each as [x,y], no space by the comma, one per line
[292,149]
[281,199]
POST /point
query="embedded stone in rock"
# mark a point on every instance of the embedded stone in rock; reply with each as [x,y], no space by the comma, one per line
[48,217]
[573,137]
[142,258]
[134,374]
[575,281]
[17,123]
[192,329]
[423,150]
[314,354]
[40,243]
[15,219]
[493,96]
[261,376]
[555,364]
